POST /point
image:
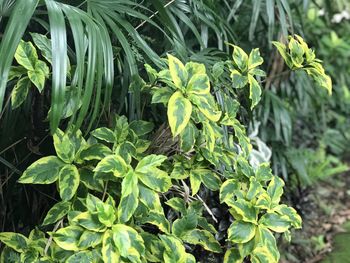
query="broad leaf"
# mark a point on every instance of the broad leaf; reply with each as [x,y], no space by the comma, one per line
[112,164]
[129,197]
[64,146]
[57,212]
[179,113]
[14,240]
[26,55]
[68,237]
[110,253]
[43,171]
[198,84]
[128,242]
[68,181]
[20,92]
[178,72]
[104,134]
[241,232]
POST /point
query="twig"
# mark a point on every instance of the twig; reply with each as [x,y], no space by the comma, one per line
[50,238]
[207,208]
[153,15]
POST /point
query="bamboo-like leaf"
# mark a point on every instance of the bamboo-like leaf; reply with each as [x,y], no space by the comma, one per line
[11,38]
[59,62]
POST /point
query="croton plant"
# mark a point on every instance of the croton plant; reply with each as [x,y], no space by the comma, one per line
[132,193]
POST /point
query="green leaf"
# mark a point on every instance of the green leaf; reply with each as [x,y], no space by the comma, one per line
[158,219]
[275,222]
[112,164]
[178,204]
[26,55]
[95,152]
[254,59]
[104,134]
[20,92]
[179,113]
[106,214]
[275,189]
[141,127]
[188,137]
[110,253]
[161,95]
[155,179]
[15,241]
[182,225]
[264,172]
[178,72]
[198,84]
[174,250]
[228,190]
[69,180]
[88,179]
[241,232]
[68,238]
[244,209]
[255,188]
[290,213]
[64,146]
[232,256]
[209,178]
[90,221]
[206,105]
[16,72]
[43,171]
[39,74]
[296,52]
[194,68]
[57,212]
[266,250]
[90,239]
[44,44]
[129,197]
[283,52]
[150,161]
[128,242]
[238,80]
[30,255]
[195,181]
[82,256]
[254,91]
[240,58]
[204,239]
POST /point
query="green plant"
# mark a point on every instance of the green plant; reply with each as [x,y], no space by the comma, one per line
[121,164]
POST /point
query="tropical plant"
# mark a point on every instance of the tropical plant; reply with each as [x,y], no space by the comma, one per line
[121,164]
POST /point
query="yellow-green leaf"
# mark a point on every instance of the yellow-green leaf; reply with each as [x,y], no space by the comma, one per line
[112,164]
[90,239]
[254,59]
[110,253]
[129,197]
[206,105]
[241,232]
[20,92]
[254,91]
[68,181]
[232,256]
[14,240]
[56,212]
[68,237]
[43,171]
[39,75]
[198,84]
[64,146]
[179,113]
[178,72]
[128,242]
[26,55]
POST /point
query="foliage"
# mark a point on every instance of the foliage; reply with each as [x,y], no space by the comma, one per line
[118,164]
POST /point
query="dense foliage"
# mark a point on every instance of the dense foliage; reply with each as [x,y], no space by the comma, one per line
[163,133]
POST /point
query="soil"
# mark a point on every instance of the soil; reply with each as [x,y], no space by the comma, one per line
[325,236]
